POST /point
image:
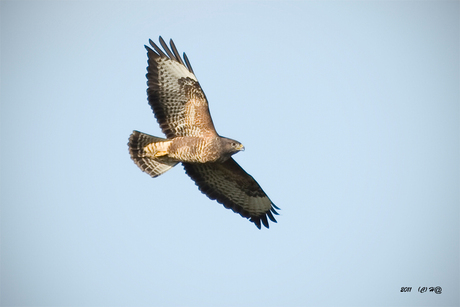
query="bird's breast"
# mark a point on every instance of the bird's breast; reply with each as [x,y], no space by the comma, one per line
[195,150]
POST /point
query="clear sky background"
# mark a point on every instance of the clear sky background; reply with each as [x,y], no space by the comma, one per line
[349,112]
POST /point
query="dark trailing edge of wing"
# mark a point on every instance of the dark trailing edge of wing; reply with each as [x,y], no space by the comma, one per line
[212,194]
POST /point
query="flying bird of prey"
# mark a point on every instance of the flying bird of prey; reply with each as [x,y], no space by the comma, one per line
[181,108]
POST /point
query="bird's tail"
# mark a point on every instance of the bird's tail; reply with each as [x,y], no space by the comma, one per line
[146,152]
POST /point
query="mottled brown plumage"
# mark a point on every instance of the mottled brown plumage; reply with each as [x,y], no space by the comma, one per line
[182,111]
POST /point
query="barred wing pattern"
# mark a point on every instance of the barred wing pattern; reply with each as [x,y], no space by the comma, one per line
[231,186]
[176,97]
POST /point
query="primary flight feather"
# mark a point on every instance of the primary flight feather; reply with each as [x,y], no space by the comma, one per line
[181,108]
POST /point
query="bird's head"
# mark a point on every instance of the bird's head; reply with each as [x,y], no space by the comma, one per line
[231,147]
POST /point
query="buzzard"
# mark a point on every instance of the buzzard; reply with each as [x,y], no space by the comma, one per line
[181,108]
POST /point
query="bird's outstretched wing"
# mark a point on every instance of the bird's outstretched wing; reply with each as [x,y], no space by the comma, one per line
[176,97]
[231,186]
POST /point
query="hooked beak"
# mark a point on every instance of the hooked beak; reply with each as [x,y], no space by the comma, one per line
[240,147]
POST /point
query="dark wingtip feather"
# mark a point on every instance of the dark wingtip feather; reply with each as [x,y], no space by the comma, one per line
[256,222]
[271,217]
[150,53]
[189,66]
[176,53]
[264,220]
[158,49]
[166,48]
[162,41]
[167,53]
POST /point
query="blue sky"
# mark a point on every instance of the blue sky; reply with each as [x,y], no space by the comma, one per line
[349,112]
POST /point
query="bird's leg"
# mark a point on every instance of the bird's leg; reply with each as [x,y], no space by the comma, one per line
[160,154]
[157,149]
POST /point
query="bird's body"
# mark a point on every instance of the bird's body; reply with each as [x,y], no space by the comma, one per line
[182,111]
[194,149]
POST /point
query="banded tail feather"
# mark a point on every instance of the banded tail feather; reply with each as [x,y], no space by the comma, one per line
[144,155]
